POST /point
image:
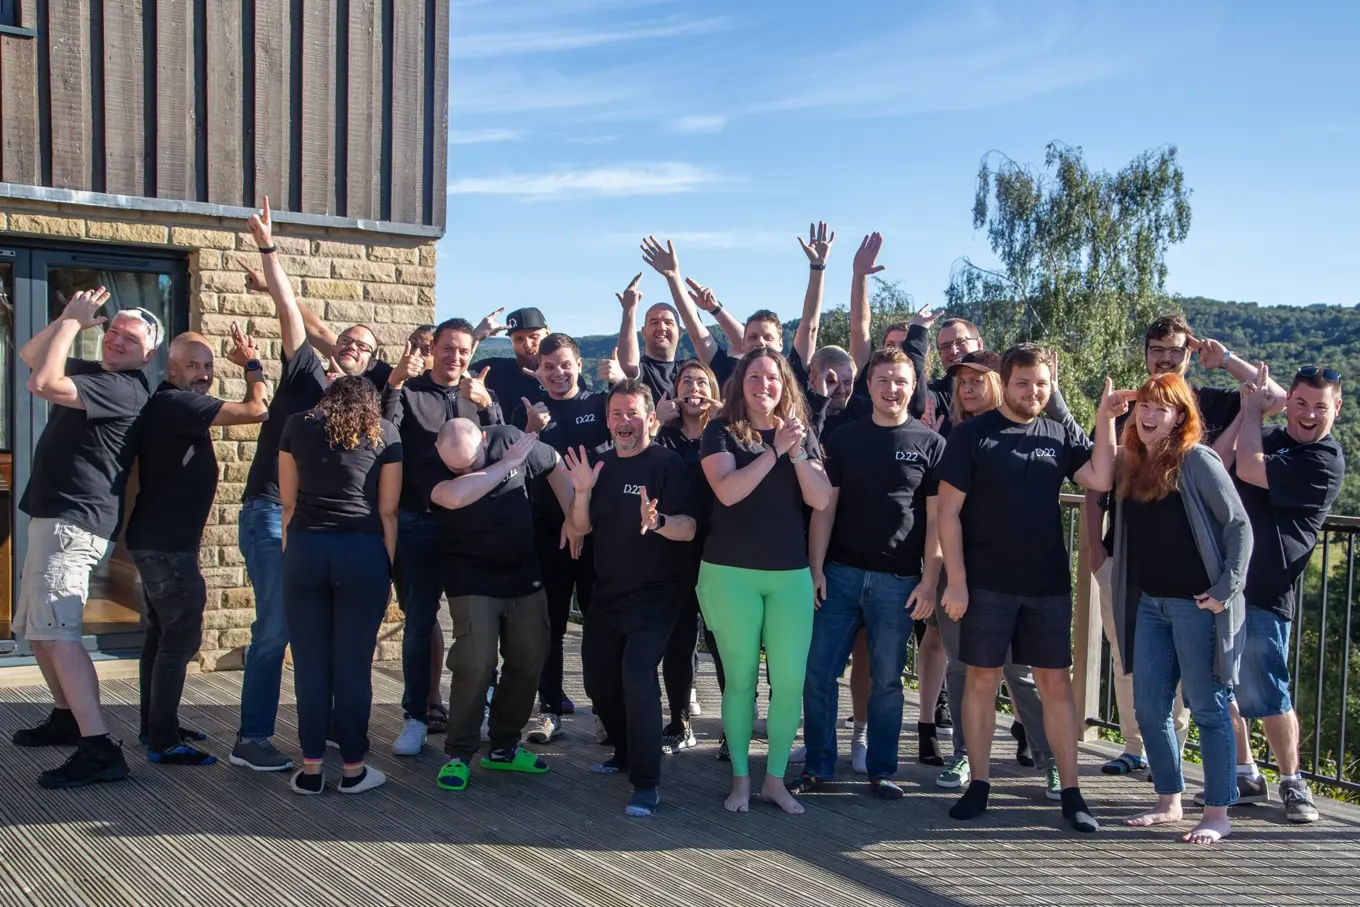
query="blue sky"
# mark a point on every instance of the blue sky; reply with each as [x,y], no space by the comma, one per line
[579,126]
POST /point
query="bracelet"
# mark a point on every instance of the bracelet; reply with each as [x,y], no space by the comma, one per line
[265,250]
[1227,357]
[717,307]
[800,458]
[817,267]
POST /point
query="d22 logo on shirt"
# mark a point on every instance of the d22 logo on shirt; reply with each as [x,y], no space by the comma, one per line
[588,417]
[633,489]
[908,456]
[1046,452]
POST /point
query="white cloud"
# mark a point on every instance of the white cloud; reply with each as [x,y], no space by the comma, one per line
[608,182]
[695,125]
[508,43]
[483,136]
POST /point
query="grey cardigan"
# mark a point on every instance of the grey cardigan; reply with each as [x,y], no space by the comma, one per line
[1222,534]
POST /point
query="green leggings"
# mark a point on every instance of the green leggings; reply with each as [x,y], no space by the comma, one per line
[745,608]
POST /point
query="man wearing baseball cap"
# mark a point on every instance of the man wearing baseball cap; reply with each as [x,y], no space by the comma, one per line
[510,378]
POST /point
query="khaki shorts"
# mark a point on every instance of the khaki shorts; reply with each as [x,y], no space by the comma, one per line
[56,580]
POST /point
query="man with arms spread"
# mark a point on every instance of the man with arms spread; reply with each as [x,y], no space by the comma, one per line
[1006,561]
[1288,478]
[491,577]
[74,502]
[177,471]
[636,500]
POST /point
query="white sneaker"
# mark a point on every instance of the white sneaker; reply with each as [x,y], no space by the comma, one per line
[411,740]
[372,778]
[859,751]
[694,710]
[798,755]
[549,728]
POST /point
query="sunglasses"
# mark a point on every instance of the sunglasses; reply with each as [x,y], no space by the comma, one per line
[152,322]
[1330,375]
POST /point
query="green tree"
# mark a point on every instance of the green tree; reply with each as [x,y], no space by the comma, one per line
[888,305]
[1081,261]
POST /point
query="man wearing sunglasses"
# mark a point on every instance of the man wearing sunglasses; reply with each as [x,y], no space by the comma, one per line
[1288,478]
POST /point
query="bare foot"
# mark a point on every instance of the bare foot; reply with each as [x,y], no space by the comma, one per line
[739,801]
[1167,810]
[1214,827]
[774,791]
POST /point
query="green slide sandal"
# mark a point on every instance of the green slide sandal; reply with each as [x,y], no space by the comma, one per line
[518,760]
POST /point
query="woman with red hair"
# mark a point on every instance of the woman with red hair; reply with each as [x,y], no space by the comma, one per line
[1181,548]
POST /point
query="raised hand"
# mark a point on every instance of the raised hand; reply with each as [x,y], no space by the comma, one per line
[474,389]
[518,452]
[788,435]
[579,470]
[410,365]
[1257,397]
[649,519]
[818,245]
[868,254]
[631,295]
[1113,403]
[1212,354]
[702,296]
[81,307]
[925,317]
[261,226]
[667,408]
[536,415]
[824,382]
[954,601]
[243,348]
[489,326]
[659,258]
[609,369]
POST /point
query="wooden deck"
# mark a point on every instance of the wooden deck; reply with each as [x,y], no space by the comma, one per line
[224,835]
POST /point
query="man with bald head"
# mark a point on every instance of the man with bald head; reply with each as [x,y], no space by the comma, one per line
[490,573]
[177,472]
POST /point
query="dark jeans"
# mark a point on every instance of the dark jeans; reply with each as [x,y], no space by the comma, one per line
[681,661]
[175,598]
[483,627]
[259,536]
[418,591]
[621,645]
[336,587]
[561,577]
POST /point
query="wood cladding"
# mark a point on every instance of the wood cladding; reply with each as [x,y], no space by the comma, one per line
[331,107]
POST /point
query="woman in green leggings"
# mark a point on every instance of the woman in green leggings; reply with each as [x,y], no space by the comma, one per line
[754,584]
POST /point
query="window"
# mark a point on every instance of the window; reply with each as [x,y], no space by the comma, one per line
[9,12]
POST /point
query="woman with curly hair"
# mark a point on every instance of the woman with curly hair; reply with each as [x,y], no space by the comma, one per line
[1181,548]
[339,482]
[754,583]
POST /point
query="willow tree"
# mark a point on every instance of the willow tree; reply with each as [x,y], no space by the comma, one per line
[1081,260]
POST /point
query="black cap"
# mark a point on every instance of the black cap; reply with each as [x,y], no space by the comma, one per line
[525,320]
[978,360]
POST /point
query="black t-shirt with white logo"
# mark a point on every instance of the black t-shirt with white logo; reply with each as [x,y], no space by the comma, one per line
[1012,521]
[626,560]
[766,530]
[1287,517]
[578,422]
[177,469]
[337,488]
[81,463]
[487,547]
[509,384]
[300,387]
[884,473]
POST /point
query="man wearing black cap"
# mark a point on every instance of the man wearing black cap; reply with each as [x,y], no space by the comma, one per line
[509,378]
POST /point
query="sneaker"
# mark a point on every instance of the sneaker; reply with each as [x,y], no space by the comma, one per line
[411,740]
[1024,754]
[368,779]
[567,707]
[885,789]
[186,735]
[1298,801]
[695,710]
[307,785]
[955,774]
[260,756]
[1249,791]
[676,738]
[859,751]
[180,754]
[944,723]
[59,728]
[601,735]
[724,754]
[798,755]
[92,762]
[642,803]
[1052,784]
[549,728]
[848,722]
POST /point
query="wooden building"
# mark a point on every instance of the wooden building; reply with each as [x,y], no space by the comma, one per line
[135,138]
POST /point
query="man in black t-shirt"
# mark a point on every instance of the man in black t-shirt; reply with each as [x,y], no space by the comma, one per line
[1288,478]
[74,501]
[876,568]
[495,589]
[636,500]
[177,472]
[512,378]
[1006,561]
[568,419]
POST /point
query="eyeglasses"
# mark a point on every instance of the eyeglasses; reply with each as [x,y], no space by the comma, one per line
[1171,352]
[346,340]
[1330,375]
[961,344]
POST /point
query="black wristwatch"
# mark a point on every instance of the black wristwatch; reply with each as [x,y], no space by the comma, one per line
[660,521]
[817,267]
[253,365]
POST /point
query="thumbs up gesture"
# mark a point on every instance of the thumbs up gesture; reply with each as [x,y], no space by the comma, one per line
[611,371]
[474,388]
[410,365]
[536,415]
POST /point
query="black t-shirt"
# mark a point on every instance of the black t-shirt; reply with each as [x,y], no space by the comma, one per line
[723,366]
[1012,521]
[337,488]
[508,383]
[418,412]
[487,547]
[177,468]
[672,437]
[81,463]
[580,421]
[1162,546]
[766,530]
[824,422]
[1287,517]
[885,473]
[626,560]
[659,375]
[300,388]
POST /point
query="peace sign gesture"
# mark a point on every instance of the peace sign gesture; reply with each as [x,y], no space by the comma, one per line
[649,516]
[818,244]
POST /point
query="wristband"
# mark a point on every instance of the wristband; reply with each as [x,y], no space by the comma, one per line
[800,458]
[660,521]
[817,267]
[717,307]
[265,250]
[253,365]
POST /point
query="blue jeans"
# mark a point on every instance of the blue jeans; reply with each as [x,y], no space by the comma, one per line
[1263,687]
[878,602]
[418,591]
[260,537]
[1174,643]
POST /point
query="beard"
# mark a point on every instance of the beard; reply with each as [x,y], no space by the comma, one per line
[1029,407]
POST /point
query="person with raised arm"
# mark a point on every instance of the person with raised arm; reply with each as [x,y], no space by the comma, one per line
[514,377]
[1007,574]
[635,499]
[74,501]
[177,471]
[569,419]
[491,576]
[754,583]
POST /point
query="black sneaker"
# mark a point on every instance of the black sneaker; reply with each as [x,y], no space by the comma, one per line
[59,728]
[944,724]
[1298,801]
[677,737]
[1023,754]
[724,754]
[1249,791]
[92,762]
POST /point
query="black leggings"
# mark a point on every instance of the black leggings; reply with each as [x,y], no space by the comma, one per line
[681,662]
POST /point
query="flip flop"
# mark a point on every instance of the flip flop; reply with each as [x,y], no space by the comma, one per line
[1123,764]
[523,761]
[437,719]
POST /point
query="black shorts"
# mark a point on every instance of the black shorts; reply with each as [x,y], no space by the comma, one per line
[1034,630]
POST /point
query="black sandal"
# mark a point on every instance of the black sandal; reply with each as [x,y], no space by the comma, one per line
[437,719]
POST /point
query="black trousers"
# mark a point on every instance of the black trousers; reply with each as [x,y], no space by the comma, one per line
[175,598]
[621,647]
[562,576]
[681,661]
[335,591]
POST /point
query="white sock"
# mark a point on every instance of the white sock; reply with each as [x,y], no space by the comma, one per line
[1297,776]
[861,727]
[1249,770]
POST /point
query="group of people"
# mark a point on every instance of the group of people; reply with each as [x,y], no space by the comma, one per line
[815,507]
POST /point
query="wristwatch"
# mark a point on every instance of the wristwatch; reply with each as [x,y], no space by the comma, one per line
[817,267]
[660,521]
[1227,357]
[253,365]
[717,307]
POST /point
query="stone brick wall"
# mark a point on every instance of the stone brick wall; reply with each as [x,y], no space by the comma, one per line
[346,276]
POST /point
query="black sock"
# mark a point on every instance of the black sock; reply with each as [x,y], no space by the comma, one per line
[931,754]
[1075,811]
[973,803]
[311,782]
[350,782]
[63,714]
